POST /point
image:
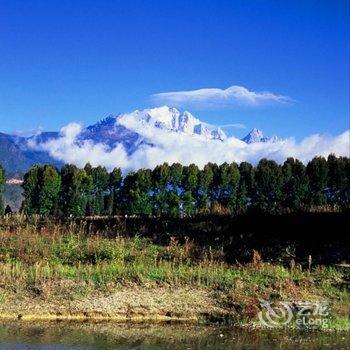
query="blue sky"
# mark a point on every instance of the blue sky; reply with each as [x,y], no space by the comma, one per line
[63,61]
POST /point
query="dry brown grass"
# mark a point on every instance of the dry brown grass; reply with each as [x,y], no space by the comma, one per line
[57,270]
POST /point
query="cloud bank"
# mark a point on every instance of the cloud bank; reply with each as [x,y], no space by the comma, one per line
[220,97]
[179,147]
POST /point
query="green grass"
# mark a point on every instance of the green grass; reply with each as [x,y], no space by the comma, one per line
[339,323]
[31,258]
[27,256]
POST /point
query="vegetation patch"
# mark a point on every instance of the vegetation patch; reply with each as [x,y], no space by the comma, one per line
[72,273]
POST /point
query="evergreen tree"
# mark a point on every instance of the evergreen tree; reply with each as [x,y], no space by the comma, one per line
[115,179]
[214,188]
[160,183]
[173,193]
[338,180]
[228,185]
[317,171]
[114,186]
[189,185]
[75,190]
[188,203]
[31,190]
[205,179]
[268,185]
[100,179]
[99,188]
[49,182]
[246,185]
[295,184]
[88,169]
[136,192]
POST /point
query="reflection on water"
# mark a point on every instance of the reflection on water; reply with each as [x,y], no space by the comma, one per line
[21,335]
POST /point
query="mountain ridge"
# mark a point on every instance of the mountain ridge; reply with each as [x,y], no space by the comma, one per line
[18,153]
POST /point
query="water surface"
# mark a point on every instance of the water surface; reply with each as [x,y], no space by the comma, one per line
[23,335]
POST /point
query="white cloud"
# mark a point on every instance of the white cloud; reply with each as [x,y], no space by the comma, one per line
[220,97]
[233,126]
[179,147]
[66,148]
[28,132]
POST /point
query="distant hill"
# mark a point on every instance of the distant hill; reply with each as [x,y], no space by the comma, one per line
[16,157]
[13,196]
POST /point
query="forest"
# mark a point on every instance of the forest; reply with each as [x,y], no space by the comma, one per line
[186,191]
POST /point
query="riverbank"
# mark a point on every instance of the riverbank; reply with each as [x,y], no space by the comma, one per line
[57,275]
[148,303]
[70,301]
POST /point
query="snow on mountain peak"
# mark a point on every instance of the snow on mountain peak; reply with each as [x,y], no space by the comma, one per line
[171,119]
[257,135]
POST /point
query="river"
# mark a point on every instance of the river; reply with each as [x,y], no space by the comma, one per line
[25,335]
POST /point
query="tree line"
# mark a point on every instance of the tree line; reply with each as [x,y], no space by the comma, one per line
[177,190]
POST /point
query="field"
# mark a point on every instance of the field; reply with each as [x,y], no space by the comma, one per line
[58,271]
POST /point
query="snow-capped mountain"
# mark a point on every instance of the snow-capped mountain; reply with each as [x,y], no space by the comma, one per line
[171,119]
[131,130]
[257,135]
[125,128]
[110,132]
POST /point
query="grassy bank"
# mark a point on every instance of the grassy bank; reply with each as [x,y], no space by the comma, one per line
[58,272]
